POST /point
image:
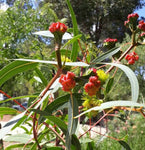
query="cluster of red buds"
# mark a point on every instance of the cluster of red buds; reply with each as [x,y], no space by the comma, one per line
[67,81]
[110,40]
[110,43]
[132,57]
[142,35]
[58,27]
[132,18]
[93,85]
[141,25]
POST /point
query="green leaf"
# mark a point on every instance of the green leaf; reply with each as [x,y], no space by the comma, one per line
[58,102]
[105,55]
[112,104]
[90,145]
[72,123]
[109,85]
[132,78]
[54,119]
[41,76]
[75,142]
[62,51]
[47,33]
[10,124]
[124,144]
[75,32]
[14,68]
[21,138]
[74,39]
[15,146]
[6,110]
[76,64]
[54,148]
[19,97]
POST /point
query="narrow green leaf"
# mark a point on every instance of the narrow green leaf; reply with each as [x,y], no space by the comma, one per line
[132,78]
[14,68]
[105,55]
[75,142]
[7,110]
[112,104]
[109,85]
[10,124]
[58,102]
[54,119]
[19,97]
[21,138]
[15,146]
[54,148]
[124,144]
[77,64]
[47,33]
[41,76]
[75,32]
[71,41]
[65,52]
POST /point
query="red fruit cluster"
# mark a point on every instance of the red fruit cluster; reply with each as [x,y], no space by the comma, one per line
[142,35]
[132,57]
[92,86]
[57,27]
[67,81]
[141,25]
[132,18]
[110,40]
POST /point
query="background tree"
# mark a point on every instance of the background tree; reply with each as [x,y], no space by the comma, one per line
[99,18]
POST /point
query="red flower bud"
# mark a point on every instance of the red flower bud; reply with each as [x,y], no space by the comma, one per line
[67,81]
[133,16]
[110,40]
[141,25]
[90,88]
[57,27]
[132,57]
[95,81]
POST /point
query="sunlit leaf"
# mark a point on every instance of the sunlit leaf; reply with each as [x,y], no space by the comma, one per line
[14,68]
[112,104]
[66,36]
[76,64]
[7,110]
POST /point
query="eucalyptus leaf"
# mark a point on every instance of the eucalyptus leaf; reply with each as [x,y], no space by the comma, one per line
[7,110]
[112,104]
[10,124]
[14,68]
[21,138]
[105,55]
[132,78]
[76,64]
[66,36]
[75,45]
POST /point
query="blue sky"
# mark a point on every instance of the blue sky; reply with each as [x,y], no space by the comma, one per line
[141,12]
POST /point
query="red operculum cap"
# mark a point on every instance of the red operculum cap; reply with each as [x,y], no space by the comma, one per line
[58,27]
[67,81]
